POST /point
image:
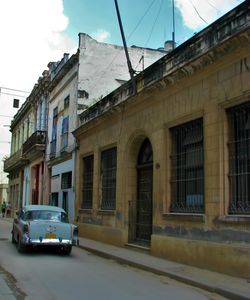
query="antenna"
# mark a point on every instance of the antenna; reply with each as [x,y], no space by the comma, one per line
[131,71]
[173,33]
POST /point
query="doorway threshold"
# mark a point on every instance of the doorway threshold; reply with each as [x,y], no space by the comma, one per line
[145,247]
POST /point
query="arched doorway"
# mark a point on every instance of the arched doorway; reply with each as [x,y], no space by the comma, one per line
[144,193]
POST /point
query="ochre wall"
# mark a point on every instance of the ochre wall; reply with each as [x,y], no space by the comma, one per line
[150,114]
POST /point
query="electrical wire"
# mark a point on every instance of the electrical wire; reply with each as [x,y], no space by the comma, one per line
[139,22]
[105,70]
[13,95]
[10,89]
[5,116]
[197,12]
[213,6]
[157,16]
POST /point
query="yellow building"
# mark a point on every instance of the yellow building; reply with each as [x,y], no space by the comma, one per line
[168,168]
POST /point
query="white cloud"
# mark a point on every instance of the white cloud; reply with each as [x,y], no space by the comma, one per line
[101,35]
[193,11]
[31,35]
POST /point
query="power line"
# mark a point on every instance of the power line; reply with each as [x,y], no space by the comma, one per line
[104,71]
[139,22]
[197,12]
[213,6]
[6,116]
[1,93]
[15,90]
[157,16]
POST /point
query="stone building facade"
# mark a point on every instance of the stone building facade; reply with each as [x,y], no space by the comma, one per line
[168,168]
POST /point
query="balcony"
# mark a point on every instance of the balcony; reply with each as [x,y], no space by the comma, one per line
[35,145]
[15,161]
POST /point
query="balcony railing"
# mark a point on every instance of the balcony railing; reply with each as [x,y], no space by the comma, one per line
[38,138]
[14,161]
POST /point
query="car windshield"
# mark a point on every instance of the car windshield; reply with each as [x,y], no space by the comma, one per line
[33,215]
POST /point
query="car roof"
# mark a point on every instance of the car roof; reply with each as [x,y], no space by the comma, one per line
[43,207]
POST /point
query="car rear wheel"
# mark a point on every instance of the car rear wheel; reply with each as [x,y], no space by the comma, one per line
[13,238]
[20,246]
[67,250]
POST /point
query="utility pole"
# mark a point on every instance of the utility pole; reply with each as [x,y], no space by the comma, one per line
[131,71]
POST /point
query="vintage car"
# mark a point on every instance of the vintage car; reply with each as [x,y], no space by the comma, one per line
[37,225]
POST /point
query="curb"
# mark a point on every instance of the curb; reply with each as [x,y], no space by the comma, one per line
[230,294]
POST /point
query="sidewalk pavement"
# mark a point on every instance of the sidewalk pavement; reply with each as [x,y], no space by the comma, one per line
[221,284]
[224,285]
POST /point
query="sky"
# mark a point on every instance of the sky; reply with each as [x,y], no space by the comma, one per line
[36,32]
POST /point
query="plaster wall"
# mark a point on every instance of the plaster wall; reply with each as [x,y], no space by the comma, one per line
[186,238]
[103,66]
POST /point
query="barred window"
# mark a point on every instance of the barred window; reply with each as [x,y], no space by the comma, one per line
[87,193]
[54,199]
[239,159]
[108,178]
[66,182]
[187,169]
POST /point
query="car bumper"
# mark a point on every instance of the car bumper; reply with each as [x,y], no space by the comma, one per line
[44,241]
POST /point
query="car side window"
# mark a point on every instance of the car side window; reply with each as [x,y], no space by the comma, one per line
[21,214]
[64,218]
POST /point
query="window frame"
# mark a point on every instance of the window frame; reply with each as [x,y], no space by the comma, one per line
[87,182]
[67,176]
[187,195]
[238,139]
[108,183]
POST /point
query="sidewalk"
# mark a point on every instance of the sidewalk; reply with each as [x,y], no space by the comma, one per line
[224,285]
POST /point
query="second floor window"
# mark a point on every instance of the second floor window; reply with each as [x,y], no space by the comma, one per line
[54,125]
[65,132]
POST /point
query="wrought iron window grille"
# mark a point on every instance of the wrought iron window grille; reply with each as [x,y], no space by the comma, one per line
[87,192]
[187,168]
[108,179]
[239,159]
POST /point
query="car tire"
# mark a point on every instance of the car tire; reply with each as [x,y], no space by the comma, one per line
[67,250]
[20,246]
[13,238]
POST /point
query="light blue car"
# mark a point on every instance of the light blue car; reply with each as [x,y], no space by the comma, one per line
[37,225]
